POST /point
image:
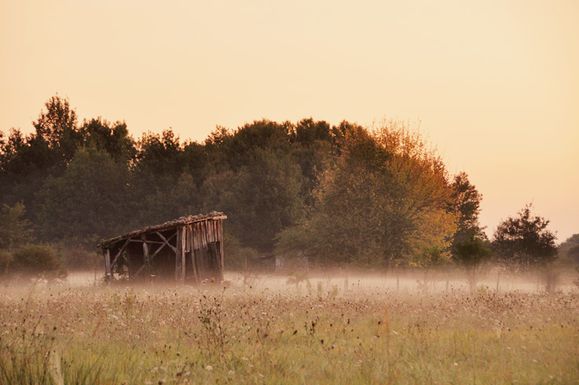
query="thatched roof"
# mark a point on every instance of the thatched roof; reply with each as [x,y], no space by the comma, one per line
[181,221]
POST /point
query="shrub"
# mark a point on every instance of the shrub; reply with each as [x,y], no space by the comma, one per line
[38,260]
[76,256]
[5,260]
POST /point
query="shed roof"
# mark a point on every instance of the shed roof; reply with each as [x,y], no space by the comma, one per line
[185,220]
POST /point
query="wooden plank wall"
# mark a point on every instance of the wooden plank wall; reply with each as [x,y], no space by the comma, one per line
[204,233]
[189,239]
[198,236]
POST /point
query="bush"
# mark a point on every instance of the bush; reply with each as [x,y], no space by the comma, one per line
[77,257]
[237,256]
[39,260]
[5,260]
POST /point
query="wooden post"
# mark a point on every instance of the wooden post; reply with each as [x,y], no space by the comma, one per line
[221,255]
[177,254]
[183,253]
[192,253]
[108,270]
[146,255]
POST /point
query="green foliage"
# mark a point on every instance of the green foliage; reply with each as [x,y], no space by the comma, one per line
[15,229]
[261,198]
[569,250]
[158,155]
[79,256]
[37,260]
[113,139]
[27,161]
[573,253]
[471,252]
[239,257]
[470,247]
[524,241]
[337,194]
[383,203]
[89,200]
[466,201]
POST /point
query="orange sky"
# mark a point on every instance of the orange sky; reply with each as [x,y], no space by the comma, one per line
[494,85]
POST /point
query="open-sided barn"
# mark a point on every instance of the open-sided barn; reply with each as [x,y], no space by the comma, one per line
[187,249]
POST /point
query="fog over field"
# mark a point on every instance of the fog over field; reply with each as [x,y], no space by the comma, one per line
[413,283]
[330,329]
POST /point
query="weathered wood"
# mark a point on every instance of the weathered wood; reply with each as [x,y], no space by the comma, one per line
[139,271]
[121,250]
[165,226]
[198,242]
[147,262]
[178,256]
[221,253]
[108,270]
[204,234]
[157,251]
[192,254]
[149,241]
[182,245]
[187,238]
[167,241]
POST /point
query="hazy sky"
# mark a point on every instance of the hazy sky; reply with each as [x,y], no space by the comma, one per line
[493,85]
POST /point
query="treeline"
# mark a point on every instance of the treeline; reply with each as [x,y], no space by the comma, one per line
[337,194]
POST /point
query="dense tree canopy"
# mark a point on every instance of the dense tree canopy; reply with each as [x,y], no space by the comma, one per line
[384,201]
[524,240]
[569,250]
[337,194]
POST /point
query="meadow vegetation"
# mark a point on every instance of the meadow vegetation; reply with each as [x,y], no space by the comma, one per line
[298,334]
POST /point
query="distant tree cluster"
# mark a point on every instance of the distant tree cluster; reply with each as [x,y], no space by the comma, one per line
[338,194]
[569,250]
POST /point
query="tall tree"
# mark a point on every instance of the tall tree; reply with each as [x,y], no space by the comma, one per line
[26,161]
[112,138]
[57,126]
[524,240]
[470,247]
[466,202]
[159,155]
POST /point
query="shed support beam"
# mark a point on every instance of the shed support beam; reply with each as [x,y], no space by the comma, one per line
[123,247]
[183,253]
[108,270]
[167,240]
[178,257]
[220,243]
[192,254]
[146,259]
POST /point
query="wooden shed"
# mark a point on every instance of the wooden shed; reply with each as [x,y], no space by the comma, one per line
[187,249]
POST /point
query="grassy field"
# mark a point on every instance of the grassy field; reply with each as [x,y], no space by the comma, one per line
[294,335]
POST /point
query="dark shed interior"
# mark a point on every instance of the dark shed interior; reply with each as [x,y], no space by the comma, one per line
[187,249]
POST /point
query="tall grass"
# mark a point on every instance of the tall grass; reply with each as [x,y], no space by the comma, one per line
[246,336]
